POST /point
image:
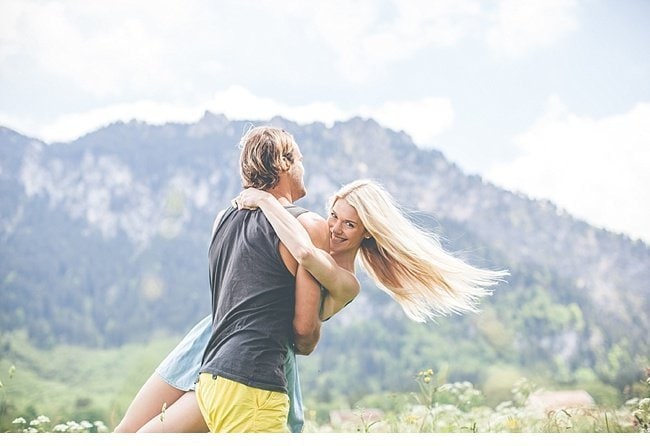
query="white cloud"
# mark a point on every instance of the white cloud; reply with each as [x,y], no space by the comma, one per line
[236,102]
[123,50]
[105,48]
[73,125]
[423,119]
[109,49]
[596,169]
[365,37]
[519,26]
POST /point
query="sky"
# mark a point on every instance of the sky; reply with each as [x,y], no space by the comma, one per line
[549,98]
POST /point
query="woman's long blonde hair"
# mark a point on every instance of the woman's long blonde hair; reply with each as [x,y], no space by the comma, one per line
[409,263]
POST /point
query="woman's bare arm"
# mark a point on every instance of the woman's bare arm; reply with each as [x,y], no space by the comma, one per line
[341,284]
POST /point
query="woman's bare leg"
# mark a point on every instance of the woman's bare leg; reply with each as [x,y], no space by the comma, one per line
[182,416]
[148,403]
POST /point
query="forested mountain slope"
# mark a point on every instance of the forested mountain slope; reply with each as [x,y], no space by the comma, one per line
[104,241]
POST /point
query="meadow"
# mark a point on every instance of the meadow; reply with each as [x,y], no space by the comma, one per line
[440,407]
[75,389]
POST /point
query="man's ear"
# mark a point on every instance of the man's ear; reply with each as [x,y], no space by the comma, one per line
[285,164]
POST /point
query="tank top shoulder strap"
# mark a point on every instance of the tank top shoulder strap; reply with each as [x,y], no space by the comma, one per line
[295,210]
[219,218]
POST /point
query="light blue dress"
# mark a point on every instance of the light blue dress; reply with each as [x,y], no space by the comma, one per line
[180,369]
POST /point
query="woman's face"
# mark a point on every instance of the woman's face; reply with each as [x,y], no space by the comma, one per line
[346,230]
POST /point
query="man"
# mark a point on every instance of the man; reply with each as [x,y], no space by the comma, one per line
[262,300]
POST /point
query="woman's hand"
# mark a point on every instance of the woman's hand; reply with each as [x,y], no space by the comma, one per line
[250,198]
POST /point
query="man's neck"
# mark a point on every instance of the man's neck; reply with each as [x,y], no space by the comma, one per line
[283,196]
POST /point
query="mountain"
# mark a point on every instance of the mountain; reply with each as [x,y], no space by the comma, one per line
[104,242]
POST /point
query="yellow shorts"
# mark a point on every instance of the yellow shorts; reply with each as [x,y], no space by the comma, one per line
[228,406]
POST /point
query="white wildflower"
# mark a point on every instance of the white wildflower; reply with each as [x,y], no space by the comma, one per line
[101,427]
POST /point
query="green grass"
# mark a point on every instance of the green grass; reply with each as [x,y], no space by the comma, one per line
[70,383]
[440,407]
[74,383]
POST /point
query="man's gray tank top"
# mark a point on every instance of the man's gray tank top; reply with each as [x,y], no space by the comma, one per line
[253,301]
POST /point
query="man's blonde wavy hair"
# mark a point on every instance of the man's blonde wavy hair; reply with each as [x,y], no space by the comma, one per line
[265,153]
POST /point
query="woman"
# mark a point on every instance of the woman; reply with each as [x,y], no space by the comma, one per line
[403,260]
